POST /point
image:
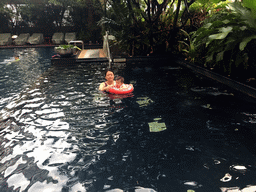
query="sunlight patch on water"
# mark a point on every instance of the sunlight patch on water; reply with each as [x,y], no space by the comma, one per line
[50,112]
[250,117]
[10,169]
[33,105]
[237,189]
[78,187]
[18,180]
[49,187]
[55,152]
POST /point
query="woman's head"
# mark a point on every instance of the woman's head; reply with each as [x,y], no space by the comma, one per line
[109,76]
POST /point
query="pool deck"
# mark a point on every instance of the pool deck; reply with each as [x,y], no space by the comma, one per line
[83,56]
[12,46]
[91,53]
[26,46]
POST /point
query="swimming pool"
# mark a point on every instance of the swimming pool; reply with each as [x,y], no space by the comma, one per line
[59,133]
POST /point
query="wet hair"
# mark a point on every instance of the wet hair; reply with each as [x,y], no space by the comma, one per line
[120,78]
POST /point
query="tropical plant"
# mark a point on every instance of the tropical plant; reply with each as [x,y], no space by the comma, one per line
[141,27]
[85,15]
[5,19]
[67,47]
[192,18]
[226,40]
[120,23]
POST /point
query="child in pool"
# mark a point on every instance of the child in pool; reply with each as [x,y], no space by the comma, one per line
[120,83]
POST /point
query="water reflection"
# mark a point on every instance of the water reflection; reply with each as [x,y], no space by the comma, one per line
[59,133]
[46,139]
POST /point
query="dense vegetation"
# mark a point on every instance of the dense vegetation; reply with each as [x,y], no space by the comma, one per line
[217,34]
[155,26]
[226,41]
[49,16]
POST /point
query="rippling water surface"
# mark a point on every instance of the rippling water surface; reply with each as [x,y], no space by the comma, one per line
[59,133]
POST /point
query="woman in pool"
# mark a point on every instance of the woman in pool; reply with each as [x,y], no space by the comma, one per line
[109,83]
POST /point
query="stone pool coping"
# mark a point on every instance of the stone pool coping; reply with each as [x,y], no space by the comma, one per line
[238,86]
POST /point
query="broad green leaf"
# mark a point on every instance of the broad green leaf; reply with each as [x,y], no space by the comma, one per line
[209,58]
[245,41]
[203,1]
[244,13]
[243,28]
[226,21]
[219,56]
[226,29]
[224,32]
[208,42]
[208,25]
[251,4]
[216,1]
[218,36]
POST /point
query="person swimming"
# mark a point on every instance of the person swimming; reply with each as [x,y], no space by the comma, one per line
[105,86]
[17,58]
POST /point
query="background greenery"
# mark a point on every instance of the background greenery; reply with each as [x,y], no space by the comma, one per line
[49,16]
[216,34]
[226,41]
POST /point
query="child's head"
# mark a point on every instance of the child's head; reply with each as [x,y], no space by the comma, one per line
[119,81]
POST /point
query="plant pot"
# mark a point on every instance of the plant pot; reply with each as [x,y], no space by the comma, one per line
[64,52]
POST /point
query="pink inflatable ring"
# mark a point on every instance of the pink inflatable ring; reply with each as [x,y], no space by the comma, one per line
[118,91]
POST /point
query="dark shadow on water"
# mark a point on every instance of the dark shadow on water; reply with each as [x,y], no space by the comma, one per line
[208,131]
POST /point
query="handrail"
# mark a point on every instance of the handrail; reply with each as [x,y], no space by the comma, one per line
[106,48]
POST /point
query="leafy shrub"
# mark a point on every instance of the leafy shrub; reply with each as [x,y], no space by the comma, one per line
[225,42]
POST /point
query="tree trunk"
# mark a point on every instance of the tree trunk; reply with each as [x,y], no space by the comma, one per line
[177,14]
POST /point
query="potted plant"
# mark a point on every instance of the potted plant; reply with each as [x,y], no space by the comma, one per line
[66,50]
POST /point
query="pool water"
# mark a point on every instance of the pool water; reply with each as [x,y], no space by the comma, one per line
[177,132]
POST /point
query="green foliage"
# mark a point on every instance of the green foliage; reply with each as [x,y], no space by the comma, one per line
[138,28]
[67,47]
[50,15]
[5,18]
[223,41]
[119,23]
[85,16]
